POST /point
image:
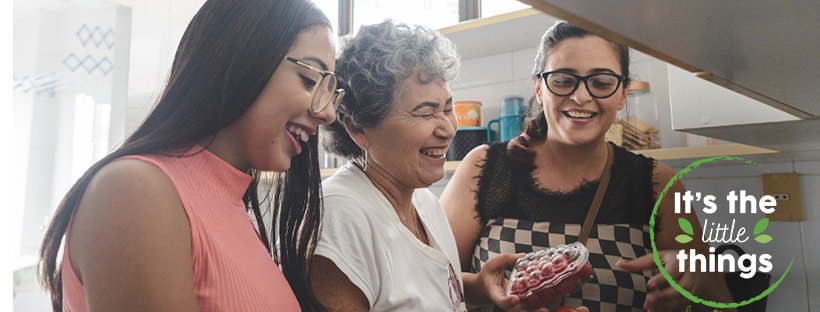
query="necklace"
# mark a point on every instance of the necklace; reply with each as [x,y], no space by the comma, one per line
[417,226]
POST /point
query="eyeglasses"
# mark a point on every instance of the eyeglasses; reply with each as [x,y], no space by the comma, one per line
[324,91]
[600,85]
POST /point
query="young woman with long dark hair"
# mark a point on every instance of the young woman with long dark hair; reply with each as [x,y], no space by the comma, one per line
[161,223]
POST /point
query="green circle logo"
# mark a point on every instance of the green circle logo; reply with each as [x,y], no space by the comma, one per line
[721,305]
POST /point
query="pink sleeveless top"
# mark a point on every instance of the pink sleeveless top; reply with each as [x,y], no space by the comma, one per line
[232,269]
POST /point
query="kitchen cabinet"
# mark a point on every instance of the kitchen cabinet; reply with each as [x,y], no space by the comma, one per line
[762,50]
[490,46]
[698,103]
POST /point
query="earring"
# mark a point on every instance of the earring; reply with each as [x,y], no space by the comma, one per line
[363,160]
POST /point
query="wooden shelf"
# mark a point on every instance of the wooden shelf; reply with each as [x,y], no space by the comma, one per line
[498,34]
[673,153]
[487,21]
[694,152]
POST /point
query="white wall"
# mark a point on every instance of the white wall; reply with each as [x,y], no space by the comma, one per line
[62,52]
[157,26]
[490,79]
[799,290]
[45,122]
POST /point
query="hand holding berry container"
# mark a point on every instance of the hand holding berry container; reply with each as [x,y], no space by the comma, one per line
[543,278]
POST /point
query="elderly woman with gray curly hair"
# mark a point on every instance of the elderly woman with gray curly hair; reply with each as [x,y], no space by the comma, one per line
[386,244]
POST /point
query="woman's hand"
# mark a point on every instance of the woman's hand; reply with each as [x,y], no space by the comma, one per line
[568,309]
[494,285]
[492,281]
[661,296]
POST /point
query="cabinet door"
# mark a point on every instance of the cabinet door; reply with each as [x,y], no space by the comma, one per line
[697,103]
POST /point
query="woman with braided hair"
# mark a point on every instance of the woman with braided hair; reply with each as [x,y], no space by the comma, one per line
[537,190]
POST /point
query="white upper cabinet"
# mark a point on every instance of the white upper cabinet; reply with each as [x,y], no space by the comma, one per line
[698,103]
[733,58]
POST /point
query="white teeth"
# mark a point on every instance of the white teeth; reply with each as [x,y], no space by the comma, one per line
[578,114]
[299,133]
[434,152]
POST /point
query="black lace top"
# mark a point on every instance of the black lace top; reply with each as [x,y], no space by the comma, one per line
[506,189]
[518,217]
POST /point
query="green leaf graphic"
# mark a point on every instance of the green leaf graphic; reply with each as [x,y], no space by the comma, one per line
[683,238]
[685,226]
[763,239]
[761,225]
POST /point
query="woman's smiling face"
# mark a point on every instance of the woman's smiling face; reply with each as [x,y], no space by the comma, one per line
[579,118]
[411,142]
[271,132]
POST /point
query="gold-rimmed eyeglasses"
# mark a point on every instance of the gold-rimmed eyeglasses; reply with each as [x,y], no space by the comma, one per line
[324,91]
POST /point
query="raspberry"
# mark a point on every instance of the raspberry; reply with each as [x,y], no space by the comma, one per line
[549,275]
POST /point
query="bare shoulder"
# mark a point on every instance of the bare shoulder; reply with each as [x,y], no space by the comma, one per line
[126,205]
[459,200]
[130,241]
[477,155]
[128,188]
[474,160]
[466,175]
[662,172]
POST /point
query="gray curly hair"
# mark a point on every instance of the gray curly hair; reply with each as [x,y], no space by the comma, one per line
[371,69]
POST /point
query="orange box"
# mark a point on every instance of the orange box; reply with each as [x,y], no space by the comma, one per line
[468,113]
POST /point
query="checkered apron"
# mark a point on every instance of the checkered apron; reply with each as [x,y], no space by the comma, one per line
[610,289]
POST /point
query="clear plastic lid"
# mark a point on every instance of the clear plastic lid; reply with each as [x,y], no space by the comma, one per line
[544,277]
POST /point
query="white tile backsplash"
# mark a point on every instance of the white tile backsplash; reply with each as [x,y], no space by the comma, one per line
[489,95]
[491,78]
[524,88]
[484,71]
[523,62]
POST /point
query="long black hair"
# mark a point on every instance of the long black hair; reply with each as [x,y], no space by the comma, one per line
[225,58]
[535,127]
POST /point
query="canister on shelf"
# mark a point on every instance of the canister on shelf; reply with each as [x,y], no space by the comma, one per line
[468,113]
[636,126]
[510,119]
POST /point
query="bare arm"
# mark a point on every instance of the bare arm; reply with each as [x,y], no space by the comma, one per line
[333,289]
[130,241]
[706,285]
[459,202]
[667,219]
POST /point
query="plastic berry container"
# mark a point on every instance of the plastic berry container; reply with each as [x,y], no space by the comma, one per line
[543,278]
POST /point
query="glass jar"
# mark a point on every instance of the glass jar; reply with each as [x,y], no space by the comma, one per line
[636,125]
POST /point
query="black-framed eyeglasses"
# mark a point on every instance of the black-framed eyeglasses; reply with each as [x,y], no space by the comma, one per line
[599,85]
[324,91]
